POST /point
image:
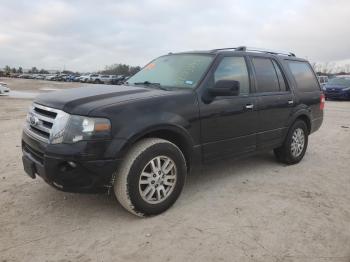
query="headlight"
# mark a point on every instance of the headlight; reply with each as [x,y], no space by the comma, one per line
[83,128]
[346,89]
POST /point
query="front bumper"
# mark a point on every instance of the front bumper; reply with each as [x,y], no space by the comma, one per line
[86,166]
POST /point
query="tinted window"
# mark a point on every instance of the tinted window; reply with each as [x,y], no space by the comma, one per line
[233,68]
[266,76]
[304,76]
[281,79]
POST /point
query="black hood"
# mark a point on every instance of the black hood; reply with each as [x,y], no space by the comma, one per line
[82,100]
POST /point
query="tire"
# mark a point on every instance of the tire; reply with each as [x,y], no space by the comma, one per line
[285,153]
[137,163]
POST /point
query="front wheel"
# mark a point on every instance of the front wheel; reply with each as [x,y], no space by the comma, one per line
[151,177]
[294,147]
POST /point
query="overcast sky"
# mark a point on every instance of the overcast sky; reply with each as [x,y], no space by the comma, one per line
[86,35]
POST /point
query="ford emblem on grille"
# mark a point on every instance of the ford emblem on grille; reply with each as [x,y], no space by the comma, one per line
[33,120]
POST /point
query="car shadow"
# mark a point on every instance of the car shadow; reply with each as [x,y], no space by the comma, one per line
[226,168]
[209,176]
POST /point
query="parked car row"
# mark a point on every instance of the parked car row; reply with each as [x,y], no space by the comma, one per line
[102,79]
[89,78]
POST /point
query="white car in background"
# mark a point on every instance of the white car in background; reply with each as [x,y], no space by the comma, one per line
[87,78]
[4,89]
[50,77]
[103,79]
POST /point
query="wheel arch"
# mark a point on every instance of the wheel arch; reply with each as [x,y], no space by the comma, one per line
[307,121]
[171,133]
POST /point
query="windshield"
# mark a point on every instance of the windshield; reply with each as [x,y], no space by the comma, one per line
[340,81]
[174,71]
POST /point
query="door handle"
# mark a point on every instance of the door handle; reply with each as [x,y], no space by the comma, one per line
[290,102]
[249,106]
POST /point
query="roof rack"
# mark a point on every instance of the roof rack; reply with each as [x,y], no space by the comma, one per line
[253,49]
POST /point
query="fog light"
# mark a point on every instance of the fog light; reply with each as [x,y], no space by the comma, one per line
[72,164]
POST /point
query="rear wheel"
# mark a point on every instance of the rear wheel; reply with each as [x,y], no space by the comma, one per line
[151,177]
[294,147]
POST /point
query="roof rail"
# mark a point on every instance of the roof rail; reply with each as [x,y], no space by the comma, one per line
[253,49]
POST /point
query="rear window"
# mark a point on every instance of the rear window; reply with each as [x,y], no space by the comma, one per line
[304,76]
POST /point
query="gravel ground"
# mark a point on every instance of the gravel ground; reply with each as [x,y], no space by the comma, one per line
[247,210]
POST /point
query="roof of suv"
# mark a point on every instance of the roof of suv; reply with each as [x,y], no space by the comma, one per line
[244,49]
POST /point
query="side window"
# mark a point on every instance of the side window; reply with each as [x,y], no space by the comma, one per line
[304,76]
[266,77]
[234,68]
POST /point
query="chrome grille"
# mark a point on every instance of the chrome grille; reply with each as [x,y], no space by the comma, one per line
[44,123]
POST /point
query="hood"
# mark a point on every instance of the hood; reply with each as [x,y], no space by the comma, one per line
[82,100]
[330,86]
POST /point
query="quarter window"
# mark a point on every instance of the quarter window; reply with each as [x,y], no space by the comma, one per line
[234,68]
[304,76]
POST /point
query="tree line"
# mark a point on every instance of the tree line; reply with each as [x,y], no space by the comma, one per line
[120,69]
[115,69]
[331,68]
[8,70]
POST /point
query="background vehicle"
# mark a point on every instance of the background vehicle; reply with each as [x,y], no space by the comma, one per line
[88,78]
[100,79]
[51,77]
[60,77]
[118,80]
[93,78]
[323,81]
[338,88]
[25,76]
[4,89]
[143,138]
[39,77]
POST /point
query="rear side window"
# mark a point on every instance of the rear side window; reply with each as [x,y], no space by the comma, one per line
[266,76]
[304,76]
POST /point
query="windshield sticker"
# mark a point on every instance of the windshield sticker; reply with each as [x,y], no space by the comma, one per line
[189,82]
[150,66]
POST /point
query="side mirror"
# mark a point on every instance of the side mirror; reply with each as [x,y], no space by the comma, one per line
[225,88]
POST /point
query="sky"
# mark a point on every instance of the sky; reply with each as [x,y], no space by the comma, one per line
[86,35]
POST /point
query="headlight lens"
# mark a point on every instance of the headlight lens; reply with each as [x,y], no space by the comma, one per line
[86,128]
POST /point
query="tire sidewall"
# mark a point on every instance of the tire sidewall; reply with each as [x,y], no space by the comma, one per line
[302,125]
[159,149]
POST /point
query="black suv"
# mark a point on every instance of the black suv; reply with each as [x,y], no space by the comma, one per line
[180,110]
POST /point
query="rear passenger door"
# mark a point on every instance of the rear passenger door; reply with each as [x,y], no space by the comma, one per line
[274,101]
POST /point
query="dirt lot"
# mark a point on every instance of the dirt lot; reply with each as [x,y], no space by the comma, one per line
[248,210]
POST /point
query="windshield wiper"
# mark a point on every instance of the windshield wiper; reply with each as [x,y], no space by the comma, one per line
[148,83]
